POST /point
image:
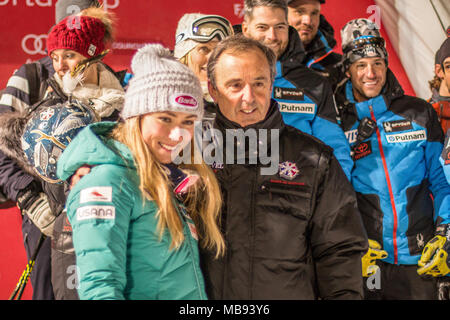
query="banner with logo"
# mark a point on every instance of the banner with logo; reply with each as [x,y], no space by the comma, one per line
[24,25]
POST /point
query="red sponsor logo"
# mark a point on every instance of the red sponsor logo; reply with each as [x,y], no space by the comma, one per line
[186,101]
[362,150]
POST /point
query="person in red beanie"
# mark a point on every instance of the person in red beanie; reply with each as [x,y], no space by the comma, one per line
[25,88]
[76,46]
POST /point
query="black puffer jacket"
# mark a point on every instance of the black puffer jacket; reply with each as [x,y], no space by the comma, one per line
[320,55]
[299,238]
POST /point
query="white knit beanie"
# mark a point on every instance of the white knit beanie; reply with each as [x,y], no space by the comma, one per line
[161,83]
[183,47]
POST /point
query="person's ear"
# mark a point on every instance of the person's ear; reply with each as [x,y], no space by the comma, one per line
[245,28]
[438,71]
[212,91]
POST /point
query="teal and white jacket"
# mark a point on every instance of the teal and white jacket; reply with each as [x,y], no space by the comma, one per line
[118,250]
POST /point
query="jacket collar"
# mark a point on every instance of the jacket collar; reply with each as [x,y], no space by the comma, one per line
[273,120]
[390,92]
[322,44]
[295,52]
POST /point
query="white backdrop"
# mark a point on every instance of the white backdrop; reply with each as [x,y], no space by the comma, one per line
[416,34]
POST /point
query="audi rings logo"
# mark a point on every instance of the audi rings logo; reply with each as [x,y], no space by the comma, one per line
[34,44]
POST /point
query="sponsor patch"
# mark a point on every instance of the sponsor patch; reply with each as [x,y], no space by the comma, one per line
[99,194]
[351,135]
[96,212]
[362,150]
[193,230]
[288,170]
[407,136]
[91,50]
[216,166]
[183,100]
[308,108]
[47,114]
[288,93]
[395,126]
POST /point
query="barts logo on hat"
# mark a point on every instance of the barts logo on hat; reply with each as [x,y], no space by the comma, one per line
[91,50]
[183,100]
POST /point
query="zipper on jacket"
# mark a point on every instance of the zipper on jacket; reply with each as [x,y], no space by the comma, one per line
[388,181]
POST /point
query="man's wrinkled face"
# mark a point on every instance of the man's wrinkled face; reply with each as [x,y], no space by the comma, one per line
[268,26]
[243,86]
[304,16]
[368,76]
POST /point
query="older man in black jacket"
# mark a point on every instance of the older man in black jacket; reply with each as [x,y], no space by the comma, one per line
[294,232]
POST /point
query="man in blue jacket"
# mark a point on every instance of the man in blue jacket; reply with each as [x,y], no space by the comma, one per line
[396,140]
[305,98]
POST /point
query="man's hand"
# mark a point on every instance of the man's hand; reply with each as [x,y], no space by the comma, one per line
[34,203]
[435,258]
[80,173]
[375,252]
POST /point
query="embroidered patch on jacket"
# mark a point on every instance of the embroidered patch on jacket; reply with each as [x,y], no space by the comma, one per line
[193,230]
[46,114]
[288,170]
[308,108]
[99,194]
[362,150]
[407,136]
[288,93]
[351,135]
[399,125]
[96,212]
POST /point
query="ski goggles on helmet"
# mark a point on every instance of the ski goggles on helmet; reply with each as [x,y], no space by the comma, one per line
[361,42]
[205,29]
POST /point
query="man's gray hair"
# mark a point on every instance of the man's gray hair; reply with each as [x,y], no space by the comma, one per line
[249,5]
[236,45]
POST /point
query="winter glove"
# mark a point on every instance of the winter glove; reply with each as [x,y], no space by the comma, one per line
[444,288]
[369,259]
[34,203]
[435,260]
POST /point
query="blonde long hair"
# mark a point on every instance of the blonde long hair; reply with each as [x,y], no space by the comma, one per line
[203,203]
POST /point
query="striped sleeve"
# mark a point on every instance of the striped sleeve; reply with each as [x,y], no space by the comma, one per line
[16,95]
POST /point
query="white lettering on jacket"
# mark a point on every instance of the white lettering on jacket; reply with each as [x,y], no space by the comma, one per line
[96,212]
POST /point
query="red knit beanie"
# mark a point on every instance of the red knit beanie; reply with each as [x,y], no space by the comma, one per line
[82,34]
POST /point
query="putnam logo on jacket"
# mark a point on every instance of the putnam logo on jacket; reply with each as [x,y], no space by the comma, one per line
[407,137]
[309,108]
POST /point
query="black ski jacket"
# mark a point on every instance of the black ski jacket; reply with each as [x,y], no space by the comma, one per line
[296,234]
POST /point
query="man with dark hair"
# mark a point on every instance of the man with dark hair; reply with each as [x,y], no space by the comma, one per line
[283,241]
[317,36]
[396,139]
[441,85]
[305,98]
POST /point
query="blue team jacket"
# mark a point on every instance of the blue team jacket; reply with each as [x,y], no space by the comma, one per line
[306,101]
[401,187]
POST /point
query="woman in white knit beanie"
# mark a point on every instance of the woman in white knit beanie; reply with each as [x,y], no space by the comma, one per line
[196,37]
[138,218]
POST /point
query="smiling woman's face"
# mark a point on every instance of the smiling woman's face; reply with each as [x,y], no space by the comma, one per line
[166,133]
[198,58]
